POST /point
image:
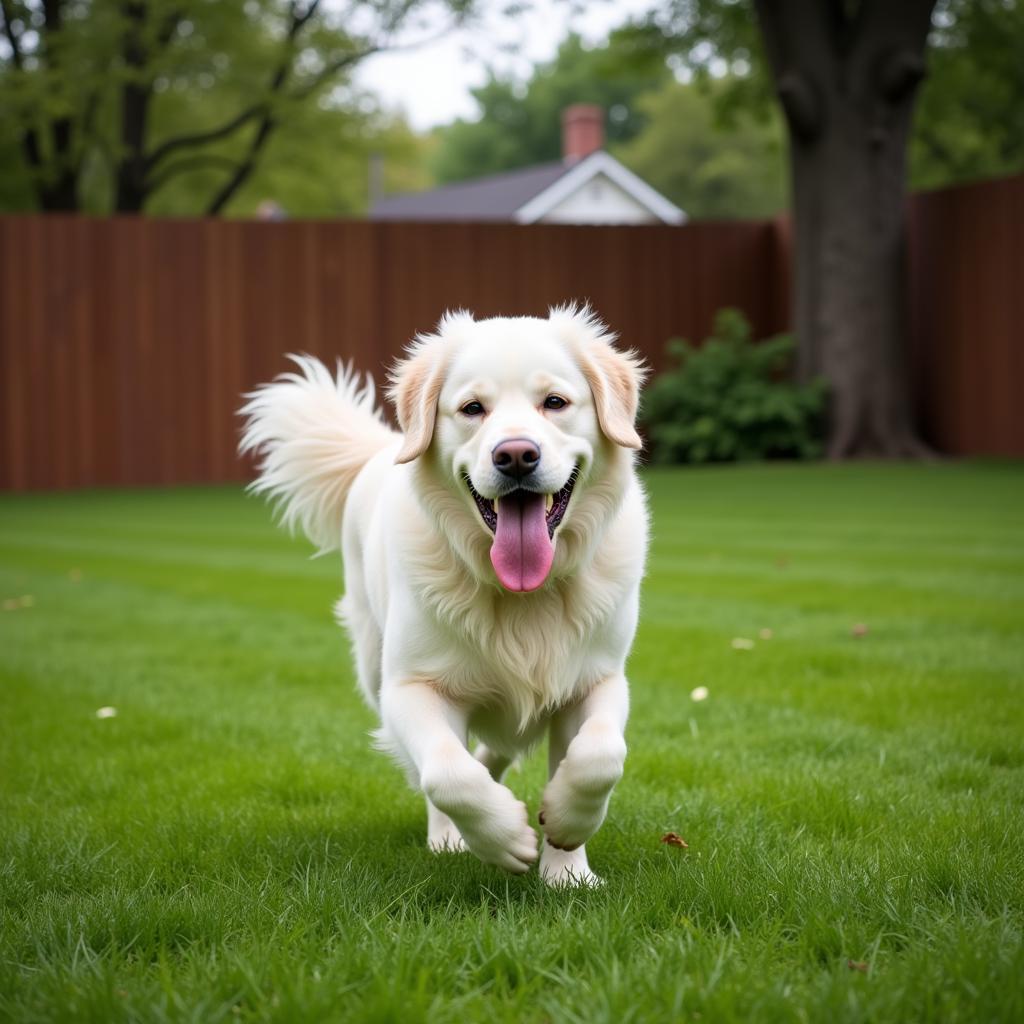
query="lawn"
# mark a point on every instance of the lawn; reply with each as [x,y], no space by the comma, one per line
[228,847]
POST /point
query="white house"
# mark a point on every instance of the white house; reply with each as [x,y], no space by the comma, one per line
[587,186]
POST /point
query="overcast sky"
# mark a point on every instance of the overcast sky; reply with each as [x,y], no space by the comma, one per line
[431,83]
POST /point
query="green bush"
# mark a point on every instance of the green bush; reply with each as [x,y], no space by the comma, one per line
[729,401]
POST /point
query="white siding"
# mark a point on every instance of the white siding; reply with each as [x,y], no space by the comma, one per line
[599,201]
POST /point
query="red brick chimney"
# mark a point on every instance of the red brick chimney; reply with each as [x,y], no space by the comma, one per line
[582,131]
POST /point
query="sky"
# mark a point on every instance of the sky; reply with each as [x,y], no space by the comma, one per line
[431,83]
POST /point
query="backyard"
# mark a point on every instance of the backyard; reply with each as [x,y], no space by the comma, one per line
[228,847]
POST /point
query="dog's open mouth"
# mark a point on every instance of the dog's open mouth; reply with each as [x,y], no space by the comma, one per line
[555,505]
[523,523]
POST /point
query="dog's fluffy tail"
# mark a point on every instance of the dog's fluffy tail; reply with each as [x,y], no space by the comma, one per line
[313,433]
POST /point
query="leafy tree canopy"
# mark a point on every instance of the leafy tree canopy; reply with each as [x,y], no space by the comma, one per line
[970,114]
[193,106]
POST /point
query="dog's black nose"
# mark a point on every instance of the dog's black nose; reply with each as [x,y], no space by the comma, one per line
[516,457]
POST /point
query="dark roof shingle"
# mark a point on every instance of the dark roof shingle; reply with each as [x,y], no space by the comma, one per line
[495,197]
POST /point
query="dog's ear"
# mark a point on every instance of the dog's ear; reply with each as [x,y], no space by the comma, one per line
[615,378]
[416,383]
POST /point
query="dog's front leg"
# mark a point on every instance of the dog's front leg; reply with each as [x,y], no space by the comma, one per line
[442,835]
[430,733]
[586,753]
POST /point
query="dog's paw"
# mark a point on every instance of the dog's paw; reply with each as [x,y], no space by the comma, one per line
[575,801]
[444,837]
[564,868]
[493,824]
[502,836]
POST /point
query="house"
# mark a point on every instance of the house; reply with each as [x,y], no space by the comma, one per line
[587,186]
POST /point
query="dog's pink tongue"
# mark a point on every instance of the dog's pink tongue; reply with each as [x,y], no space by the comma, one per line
[522,553]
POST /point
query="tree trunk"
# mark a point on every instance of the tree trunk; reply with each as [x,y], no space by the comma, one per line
[60,196]
[846,79]
[131,169]
[54,176]
[136,92]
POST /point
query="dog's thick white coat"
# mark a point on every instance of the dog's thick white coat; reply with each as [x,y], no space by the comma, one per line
[442,651]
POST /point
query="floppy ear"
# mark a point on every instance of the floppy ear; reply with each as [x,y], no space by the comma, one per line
[416,384]
[615,378]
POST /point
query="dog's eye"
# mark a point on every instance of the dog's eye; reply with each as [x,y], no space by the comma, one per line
[473,408]
[555,402]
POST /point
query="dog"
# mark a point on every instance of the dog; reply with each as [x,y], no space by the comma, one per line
[493,553]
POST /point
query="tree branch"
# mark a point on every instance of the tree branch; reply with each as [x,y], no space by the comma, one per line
[244,169]
[353,58]
[297,21]
[329,72]
[265,111]
[202,138]
[186,164]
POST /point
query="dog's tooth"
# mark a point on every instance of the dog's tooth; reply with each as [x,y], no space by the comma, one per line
[549,501]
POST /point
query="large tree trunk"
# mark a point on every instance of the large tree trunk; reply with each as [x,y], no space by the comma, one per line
[846,77]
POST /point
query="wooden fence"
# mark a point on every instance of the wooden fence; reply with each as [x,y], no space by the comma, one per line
[125,344]
[967,316]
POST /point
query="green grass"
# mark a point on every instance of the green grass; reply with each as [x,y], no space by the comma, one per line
[229,848]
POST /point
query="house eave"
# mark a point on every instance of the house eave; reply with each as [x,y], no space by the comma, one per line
[586,170]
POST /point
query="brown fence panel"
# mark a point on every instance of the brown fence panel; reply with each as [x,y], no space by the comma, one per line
[126,344]
[967,316]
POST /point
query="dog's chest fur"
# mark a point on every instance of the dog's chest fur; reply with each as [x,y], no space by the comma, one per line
[525,654]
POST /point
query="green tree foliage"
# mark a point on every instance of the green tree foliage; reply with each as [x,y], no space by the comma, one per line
[709,165]
[192,106]
[726,401]
[520,123]
[970,114]
[969,118]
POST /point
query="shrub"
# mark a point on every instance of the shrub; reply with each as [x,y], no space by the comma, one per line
[729,400]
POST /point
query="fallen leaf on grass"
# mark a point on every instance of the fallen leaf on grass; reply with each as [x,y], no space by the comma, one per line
[766,634]
[859,629]
[857,965]
[742,643]
[106,712]
[675,839]
[75,575]
[11,604]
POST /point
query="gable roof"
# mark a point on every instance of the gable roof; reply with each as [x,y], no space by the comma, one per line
[525,196]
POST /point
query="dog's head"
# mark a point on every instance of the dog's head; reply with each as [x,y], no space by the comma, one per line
[519,417]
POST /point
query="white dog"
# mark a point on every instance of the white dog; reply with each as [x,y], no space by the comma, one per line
[493,555]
